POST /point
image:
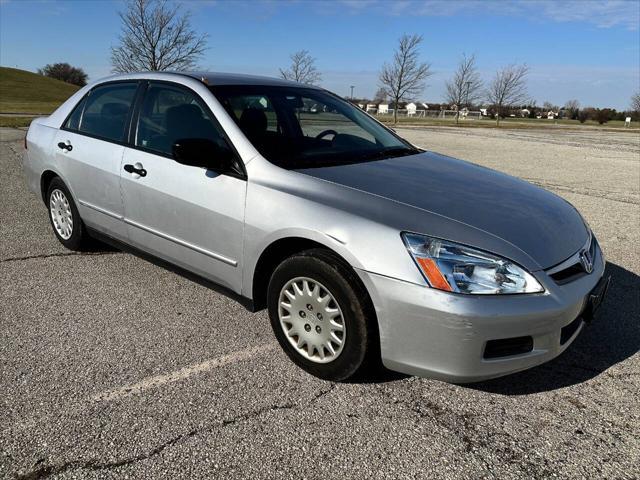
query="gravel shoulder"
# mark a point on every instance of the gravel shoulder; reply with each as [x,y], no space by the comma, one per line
[112,366]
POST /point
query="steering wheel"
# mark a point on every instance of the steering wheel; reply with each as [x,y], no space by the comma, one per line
[324,133]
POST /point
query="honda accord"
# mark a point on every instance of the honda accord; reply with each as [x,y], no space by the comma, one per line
[361,246]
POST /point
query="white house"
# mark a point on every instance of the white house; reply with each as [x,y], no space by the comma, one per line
[383,109]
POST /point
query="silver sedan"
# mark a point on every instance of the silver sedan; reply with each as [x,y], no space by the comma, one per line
[363,247]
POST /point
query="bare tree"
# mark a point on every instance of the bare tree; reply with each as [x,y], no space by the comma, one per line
[380,96]
[635,102]
[303,69]
[508,88]
[406,75]
[464,87]
[156,37]
[573,107]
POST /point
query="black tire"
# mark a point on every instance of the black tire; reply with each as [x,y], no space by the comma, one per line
[361,342]
[79,237]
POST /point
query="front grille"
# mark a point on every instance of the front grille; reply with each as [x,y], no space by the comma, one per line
[569,274]
[508,346]
[567,332]
[576,270]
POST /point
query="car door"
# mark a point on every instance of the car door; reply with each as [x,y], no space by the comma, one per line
[188,215]
[89,149]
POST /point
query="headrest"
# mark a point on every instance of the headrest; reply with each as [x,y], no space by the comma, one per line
[114,108]
[253,122]
[184,113]
[183,117]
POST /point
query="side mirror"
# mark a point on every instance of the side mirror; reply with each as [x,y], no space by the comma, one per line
[202,152]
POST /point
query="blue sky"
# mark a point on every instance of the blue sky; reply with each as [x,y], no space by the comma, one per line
[589,50]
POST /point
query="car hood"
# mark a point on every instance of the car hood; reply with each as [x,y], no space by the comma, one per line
[541,224]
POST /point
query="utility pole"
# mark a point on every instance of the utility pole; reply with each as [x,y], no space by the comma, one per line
[352,87]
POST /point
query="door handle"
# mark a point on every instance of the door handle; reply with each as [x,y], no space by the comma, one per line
[137,168]
[65,146]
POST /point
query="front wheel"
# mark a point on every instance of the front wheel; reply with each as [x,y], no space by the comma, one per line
[318,313]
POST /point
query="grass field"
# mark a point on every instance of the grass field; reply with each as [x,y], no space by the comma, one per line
[15,122]
[512,123]
[28,92]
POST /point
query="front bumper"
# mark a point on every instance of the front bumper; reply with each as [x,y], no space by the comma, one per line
[441,335]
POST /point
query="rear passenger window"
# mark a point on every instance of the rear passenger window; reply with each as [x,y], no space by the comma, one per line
[170,114]
[105,112]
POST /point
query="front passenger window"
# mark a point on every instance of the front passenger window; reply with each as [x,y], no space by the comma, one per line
[170,114]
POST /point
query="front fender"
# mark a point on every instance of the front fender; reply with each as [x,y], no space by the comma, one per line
[253,250]
[283,204]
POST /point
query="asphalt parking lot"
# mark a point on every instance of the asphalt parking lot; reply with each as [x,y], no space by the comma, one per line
[112,366]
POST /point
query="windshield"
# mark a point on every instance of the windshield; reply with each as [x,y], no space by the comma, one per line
[297,127]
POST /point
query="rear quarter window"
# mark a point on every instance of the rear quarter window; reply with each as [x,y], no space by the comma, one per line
[73,122]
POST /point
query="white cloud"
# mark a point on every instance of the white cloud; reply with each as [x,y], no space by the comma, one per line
[601,13]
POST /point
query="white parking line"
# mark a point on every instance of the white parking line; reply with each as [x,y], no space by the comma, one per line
[183,373]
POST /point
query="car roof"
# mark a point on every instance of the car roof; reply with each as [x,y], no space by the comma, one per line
[219,78]
[206,78]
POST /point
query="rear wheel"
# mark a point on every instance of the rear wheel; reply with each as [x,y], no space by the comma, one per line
[318,312]
[64,216]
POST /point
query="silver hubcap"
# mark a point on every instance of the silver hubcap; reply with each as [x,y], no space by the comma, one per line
[311,320]
[61,214]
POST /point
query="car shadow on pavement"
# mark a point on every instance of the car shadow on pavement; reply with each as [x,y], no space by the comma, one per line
[611,338]
[103,243]
[98,246]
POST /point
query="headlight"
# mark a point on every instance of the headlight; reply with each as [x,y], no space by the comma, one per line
[456,268]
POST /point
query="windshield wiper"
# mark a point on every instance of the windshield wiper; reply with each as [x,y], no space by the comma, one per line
[348,158]
[389,153]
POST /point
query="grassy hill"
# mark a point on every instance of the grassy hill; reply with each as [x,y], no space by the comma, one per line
[28,92]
